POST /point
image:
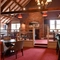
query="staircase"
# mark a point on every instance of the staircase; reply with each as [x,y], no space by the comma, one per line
[40,45]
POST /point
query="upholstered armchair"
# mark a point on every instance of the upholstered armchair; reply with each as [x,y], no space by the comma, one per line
[18,47]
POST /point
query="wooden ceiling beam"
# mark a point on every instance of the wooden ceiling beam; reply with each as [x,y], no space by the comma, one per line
[9,7]
[26,3]
[5,4]
[23,11]
[13,7]
[1,17]
[17,3]
[32,10]
[4,19]
[17,8]
[23,2]
[54,9]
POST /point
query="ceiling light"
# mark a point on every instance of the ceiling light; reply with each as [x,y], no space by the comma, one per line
[49,0]
[39,7]
[43,3]
[44,13]
[24,8]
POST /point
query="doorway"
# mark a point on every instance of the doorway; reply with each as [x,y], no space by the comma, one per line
[36,34]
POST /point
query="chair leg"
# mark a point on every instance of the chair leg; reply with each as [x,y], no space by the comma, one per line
[3,56]
[22,51]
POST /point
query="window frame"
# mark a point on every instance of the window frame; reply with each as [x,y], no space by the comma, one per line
[51,30]
[15,29]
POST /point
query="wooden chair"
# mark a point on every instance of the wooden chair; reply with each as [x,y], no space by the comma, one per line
[18,46]
[4,48]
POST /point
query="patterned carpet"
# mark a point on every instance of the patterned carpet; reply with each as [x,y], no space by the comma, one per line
[36,54]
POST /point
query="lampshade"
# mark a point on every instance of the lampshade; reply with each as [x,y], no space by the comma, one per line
[23,26]
[44,13]
[19,16]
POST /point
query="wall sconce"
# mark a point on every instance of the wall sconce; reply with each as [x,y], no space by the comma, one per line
[23,26]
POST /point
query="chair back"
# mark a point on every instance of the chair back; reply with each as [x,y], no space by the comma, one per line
[4,47]
[18,45]
[1,47]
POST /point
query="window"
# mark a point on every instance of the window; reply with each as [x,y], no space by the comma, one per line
[15,27]
[54,25]
[57,24]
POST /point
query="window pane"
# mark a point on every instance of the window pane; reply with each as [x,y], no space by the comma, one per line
[18,26]
[58,30]
[57,26]
[58,22]
[52,26]
[52,22]
[51,30]
[12,30]
[13,26]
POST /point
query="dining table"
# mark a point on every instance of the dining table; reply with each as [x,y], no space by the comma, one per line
[8,44]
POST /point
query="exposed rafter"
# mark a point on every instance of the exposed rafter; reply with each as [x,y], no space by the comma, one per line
[8,6]
[17,3]
[2,3]
[4,19]
[26,3]
[5,4]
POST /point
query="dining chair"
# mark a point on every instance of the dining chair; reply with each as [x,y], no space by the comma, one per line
[18,47]
[4,49]
[7,39]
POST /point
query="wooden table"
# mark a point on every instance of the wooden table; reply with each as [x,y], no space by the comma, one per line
[6,41]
